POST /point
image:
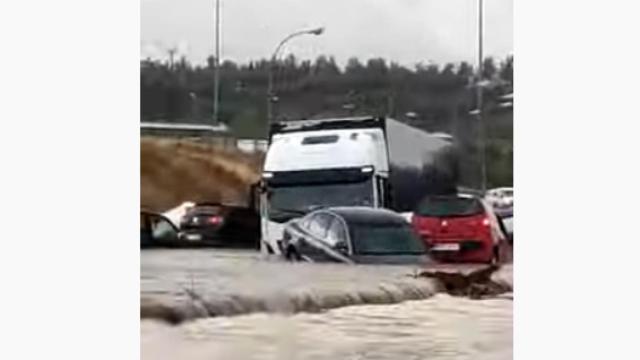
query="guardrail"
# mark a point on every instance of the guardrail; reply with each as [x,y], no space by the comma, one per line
[183,129]
[219,135]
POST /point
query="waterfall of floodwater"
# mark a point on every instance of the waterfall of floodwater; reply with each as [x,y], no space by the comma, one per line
[185,285]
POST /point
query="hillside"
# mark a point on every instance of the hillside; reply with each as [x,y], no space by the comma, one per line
[175,171]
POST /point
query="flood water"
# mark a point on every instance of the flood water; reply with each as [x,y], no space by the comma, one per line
[237,305]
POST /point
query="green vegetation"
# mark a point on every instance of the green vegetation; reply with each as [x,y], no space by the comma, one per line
[439,98]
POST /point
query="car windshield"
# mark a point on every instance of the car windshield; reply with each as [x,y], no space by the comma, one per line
[309,197]
[449,207]
[385,239]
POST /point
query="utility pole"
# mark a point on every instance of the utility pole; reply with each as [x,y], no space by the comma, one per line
[479,84]
[216,70]
[194,106]
[172,52]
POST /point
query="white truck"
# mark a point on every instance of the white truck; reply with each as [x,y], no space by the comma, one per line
[360,161]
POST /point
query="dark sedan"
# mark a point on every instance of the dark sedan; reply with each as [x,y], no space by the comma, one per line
[220,225]
[353,235]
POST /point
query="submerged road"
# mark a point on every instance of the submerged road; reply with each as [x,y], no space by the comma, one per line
[300,310]
[179,285]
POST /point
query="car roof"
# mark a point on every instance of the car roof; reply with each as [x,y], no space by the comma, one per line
[454,196]
[500,189]
[361,214]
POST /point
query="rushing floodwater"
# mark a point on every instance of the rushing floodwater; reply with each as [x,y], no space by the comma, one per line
[281,311]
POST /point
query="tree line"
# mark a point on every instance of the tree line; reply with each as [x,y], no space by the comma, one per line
[430,96]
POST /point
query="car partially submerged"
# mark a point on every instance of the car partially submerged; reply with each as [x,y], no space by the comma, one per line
[216,224]
[506,218]
[157,230]
[352,235]
[461,228]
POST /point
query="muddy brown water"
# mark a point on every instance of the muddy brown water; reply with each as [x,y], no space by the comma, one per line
[238,305]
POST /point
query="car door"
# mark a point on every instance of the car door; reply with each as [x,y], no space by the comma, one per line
[314,244]
[158,230]
[146,238]
[295,231]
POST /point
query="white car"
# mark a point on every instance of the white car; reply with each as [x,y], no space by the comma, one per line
[500,197]
[176,214]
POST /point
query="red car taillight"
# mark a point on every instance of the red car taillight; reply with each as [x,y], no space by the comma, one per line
[215,220]
[483,227]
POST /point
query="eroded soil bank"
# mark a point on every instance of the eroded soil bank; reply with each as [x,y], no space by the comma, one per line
[174,171]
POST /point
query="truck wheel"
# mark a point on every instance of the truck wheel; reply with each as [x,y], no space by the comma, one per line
[268,248]
[292,254]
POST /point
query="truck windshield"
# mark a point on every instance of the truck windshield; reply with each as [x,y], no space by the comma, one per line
[305,198]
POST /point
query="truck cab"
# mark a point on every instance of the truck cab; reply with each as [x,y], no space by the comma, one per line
[308,167]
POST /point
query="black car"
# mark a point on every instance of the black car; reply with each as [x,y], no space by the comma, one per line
[157,231]
[506,220]
[215,224]
[352,235]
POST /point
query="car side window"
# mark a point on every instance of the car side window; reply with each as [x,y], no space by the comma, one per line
[336,233]
[304,222]
[319,224]
[162,230]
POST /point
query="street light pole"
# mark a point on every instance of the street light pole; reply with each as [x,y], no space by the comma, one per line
[270,94]
[216,70]
[194,106]
[483,160]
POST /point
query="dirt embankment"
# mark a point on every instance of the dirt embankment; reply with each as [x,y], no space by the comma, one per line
[485,282]
[175,171]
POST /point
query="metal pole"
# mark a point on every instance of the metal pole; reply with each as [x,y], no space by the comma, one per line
[483,160]
[194,106]
[270,89]
[271,65]
[216,71]
[172,53]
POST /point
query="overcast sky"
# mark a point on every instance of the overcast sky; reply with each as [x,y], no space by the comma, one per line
[405,31]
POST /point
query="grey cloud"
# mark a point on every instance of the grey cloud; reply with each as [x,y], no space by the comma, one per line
[406,31]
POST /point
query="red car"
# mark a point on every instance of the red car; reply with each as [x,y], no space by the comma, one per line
[460,228]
